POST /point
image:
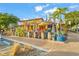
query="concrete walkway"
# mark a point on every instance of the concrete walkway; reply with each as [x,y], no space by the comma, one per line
[71,47]
[35,43]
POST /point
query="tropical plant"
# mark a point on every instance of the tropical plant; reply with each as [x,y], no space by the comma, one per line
[58,14]
[20,31]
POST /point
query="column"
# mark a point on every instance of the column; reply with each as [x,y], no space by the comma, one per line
[42,35]
[34,34]
[49,36]
[28,34]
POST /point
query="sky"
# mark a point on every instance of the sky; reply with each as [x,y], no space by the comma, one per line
[34,10]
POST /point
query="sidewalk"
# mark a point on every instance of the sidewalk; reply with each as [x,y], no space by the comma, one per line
[50,46]
[36,43]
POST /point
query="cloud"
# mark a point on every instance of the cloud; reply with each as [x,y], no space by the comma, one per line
[73,6]
[50,10]
[40,8]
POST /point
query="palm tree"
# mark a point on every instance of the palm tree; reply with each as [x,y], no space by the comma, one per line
[58,15]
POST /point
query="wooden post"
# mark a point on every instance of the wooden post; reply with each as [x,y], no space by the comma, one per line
[42,35]
[49,36]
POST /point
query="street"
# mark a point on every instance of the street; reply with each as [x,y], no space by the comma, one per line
[73,37]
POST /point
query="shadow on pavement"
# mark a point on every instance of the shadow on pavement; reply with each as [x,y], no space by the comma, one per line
[71,40]
[60,53]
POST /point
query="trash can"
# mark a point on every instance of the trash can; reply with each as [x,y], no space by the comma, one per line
[61,38]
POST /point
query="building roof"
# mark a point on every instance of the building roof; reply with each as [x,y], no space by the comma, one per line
[32,21]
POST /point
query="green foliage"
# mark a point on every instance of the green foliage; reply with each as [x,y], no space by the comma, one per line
[7,19]
[20,31]
[73,17]
[58,13]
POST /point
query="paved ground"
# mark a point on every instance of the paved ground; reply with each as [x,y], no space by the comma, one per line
[69,48]
[73,37]
[35,43]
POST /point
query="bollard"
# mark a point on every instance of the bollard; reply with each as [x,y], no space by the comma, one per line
[49,36]
[42,35]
